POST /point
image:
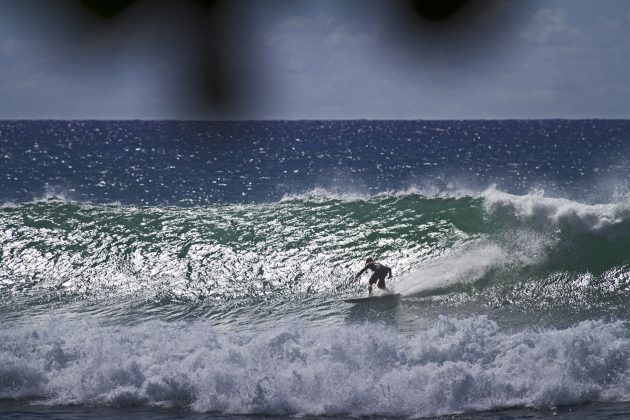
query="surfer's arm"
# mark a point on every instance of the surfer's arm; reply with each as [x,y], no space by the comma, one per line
[390,272]
[361,272]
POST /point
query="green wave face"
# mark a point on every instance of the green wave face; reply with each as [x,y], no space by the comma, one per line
[221,251]
[489,249]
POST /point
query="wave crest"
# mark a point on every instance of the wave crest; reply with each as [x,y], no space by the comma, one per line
[593,218]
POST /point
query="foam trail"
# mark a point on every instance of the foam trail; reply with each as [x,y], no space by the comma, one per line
[462,266]
[471,261]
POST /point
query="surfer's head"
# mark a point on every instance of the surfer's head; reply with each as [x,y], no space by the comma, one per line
[369,260]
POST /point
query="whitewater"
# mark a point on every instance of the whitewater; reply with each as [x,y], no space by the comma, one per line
[153,269]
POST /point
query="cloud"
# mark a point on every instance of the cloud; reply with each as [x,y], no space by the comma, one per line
[549,26]
[330,59]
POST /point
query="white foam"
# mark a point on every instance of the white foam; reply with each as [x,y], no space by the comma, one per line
[596,218]
[470,261]
[461,266]
[323,194]
[452,366]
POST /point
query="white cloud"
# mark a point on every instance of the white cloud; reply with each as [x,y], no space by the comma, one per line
[549,26]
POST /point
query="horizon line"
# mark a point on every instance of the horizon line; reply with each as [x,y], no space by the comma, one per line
[306,119]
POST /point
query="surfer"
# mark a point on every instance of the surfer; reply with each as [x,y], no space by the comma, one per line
[379,272]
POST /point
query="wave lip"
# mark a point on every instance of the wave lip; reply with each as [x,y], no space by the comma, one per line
[454,366]
[588,218]
[428,192]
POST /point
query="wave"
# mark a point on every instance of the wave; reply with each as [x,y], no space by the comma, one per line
[308,245]
[453,366]
[612,218]
[434,191]
[534,205]
[465,265]
[591,217]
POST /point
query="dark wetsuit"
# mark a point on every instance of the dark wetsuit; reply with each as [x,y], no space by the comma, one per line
[379,273]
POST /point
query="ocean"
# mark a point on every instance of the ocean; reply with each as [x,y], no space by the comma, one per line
[175,269]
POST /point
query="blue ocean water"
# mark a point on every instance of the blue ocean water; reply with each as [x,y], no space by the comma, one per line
[165,269]
[197,163]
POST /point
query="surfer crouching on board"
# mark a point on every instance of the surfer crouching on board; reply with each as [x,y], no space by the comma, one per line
[379,274]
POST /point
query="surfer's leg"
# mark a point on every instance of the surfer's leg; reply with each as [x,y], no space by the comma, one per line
[381,282]
[373,280]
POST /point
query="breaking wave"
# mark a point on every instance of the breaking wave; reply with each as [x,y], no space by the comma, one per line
[306,244]
[453,366]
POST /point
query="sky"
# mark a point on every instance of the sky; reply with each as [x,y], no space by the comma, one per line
[315,59]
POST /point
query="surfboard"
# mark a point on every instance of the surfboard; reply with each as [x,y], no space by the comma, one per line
[373,298]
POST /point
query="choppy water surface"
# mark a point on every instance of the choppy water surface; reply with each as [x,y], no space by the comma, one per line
[201,267]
